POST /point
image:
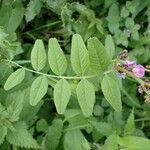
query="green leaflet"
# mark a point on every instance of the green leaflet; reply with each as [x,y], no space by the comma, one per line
[53,135]
[33,9]
[3,132]
[62,93]
[99,58]
[38,90]
[109,45]
[14,79]
[86,97]
[74,140]
[56,57]
[15,108]
[130,125]
[79,55]
[38,55]
[134,143]
[21,137]
[111,92]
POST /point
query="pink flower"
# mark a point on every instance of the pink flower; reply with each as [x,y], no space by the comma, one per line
[139,70]
[129,63]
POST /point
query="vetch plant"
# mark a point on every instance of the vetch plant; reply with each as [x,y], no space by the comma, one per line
[74,75]
[87,63]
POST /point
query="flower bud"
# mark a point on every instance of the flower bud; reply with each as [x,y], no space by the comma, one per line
[139,71]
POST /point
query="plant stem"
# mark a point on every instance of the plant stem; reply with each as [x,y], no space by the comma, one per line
[130,98]
[42,27]
[53,76]
[23,61]
[148,70]
[142,119]
[132,75]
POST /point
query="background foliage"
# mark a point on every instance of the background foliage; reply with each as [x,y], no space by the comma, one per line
[57,90]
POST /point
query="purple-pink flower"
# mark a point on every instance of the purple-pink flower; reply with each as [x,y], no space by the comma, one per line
[129,63]
[122,74]
[139,70]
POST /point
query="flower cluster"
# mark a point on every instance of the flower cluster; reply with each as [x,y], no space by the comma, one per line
[131,66]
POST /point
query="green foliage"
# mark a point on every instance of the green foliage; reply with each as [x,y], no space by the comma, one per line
[38,90]
[99,59]
[111,143]
[41,125]
[14,79]
[11,15]
[38,55]
[21,137]
[60,75]
[86,97]
[130,125]
[57,60]
[111,92]
[16,106]
[62,93]
[75,140]
[33,9]
[53,135]
[113,18]
[133,142]
[3,132]
[109,45]
[79,55]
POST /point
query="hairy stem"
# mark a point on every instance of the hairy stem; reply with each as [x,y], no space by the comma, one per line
[53,76]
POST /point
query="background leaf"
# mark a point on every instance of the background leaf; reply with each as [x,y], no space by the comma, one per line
[21,137]
[3,132]
[16,106]
[130,125]
[109,46]
[53,135]
[75,140]
[33,9]
[133,142]
[111,143]
[11,17]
